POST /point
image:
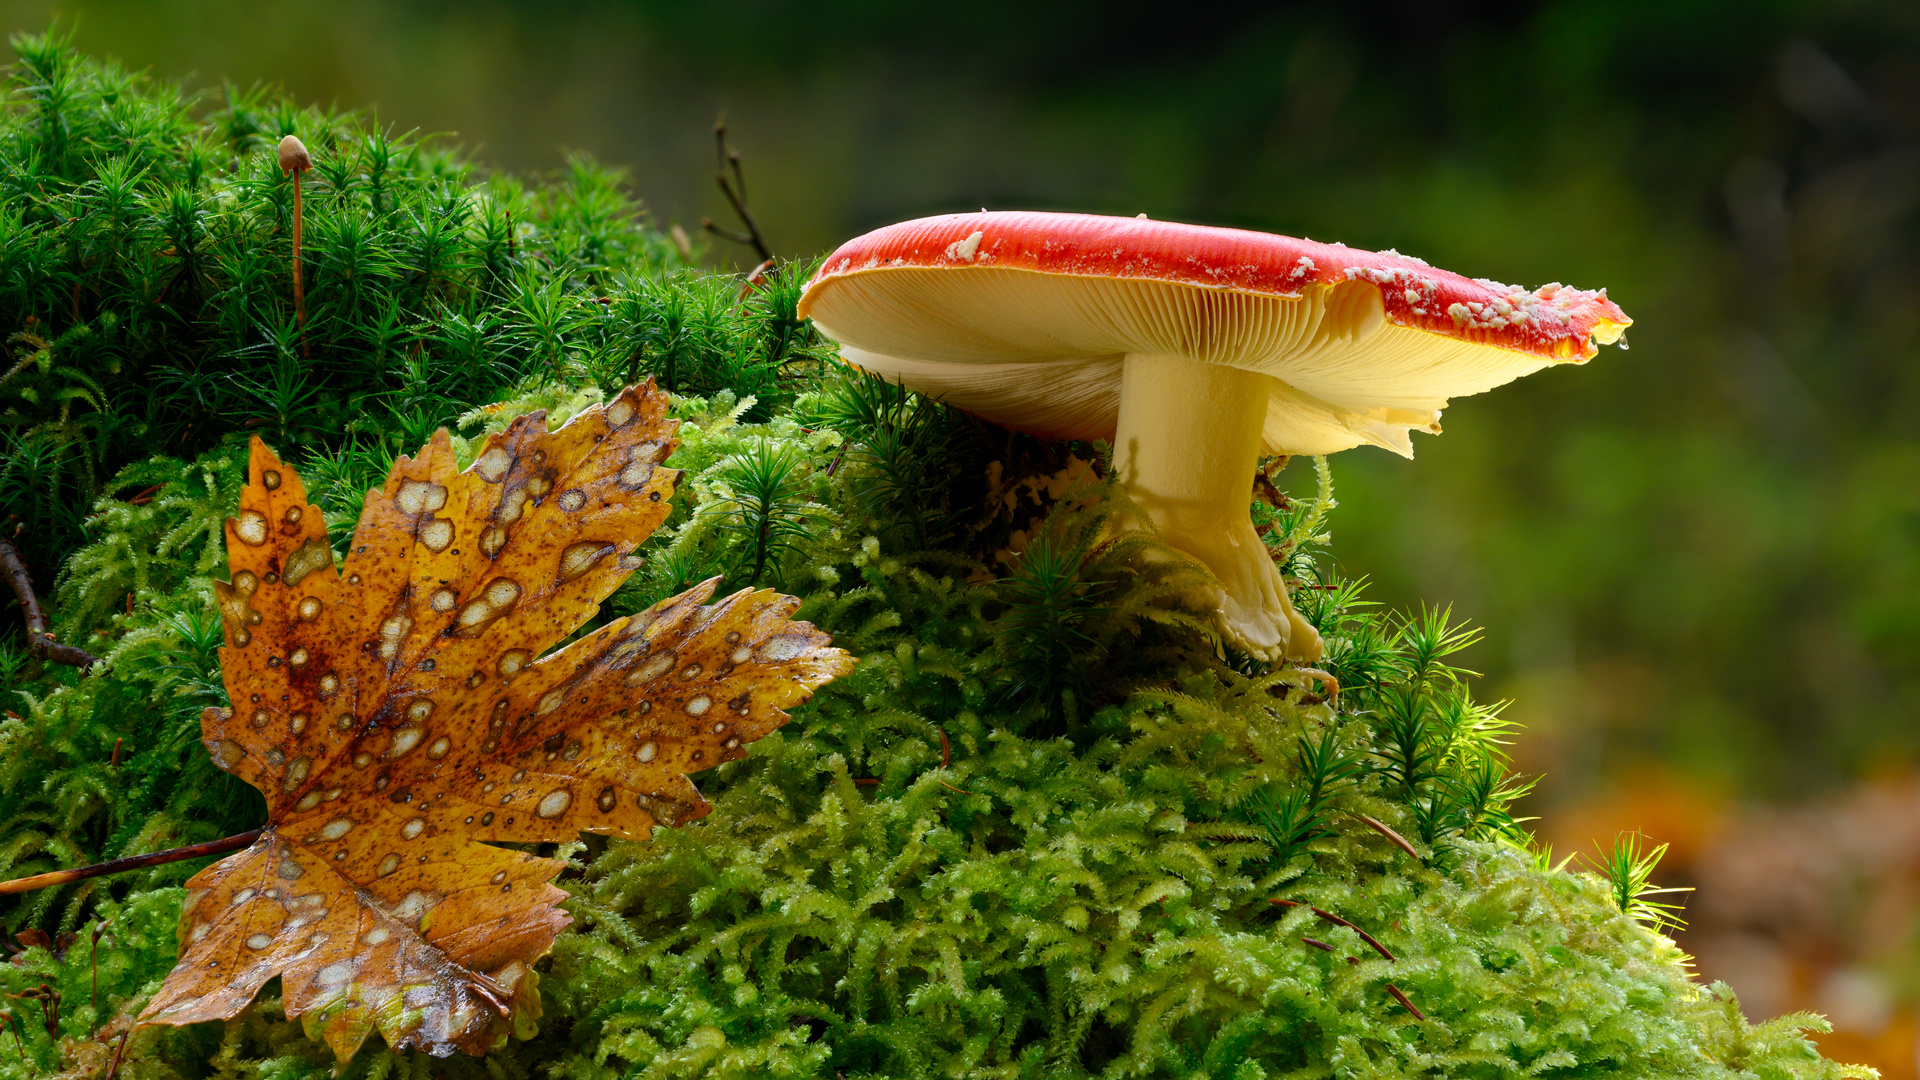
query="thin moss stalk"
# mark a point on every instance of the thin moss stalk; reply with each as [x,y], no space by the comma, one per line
[295,160]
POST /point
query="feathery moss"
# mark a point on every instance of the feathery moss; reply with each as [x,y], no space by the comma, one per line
[1038,832]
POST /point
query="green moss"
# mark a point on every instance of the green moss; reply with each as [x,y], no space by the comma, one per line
[1035,833]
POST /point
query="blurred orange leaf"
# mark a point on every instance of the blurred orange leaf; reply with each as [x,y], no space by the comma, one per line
[397,713]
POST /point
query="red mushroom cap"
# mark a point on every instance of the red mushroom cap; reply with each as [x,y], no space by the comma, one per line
[1027,318]
[1552,322]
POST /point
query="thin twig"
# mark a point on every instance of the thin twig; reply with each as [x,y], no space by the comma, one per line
[131,862]
[732,157]
[735,189]
[39,641]
[725,233]
[1385,830]
[1317,944]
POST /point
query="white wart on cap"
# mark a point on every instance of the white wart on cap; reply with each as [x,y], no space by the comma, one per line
[1194,350]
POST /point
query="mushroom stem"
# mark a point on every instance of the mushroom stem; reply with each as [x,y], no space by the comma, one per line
[1186,447]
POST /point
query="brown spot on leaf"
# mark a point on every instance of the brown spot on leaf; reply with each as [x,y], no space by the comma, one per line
[315,554]
[579,558]
[251,527]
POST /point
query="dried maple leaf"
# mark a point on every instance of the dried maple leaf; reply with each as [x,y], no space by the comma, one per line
[397,713]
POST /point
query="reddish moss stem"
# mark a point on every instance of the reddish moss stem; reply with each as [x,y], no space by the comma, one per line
[1330,917]
[1402,999]
[299,289]
[1386,830]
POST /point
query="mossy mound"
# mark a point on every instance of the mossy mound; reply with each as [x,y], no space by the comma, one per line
[1040,831]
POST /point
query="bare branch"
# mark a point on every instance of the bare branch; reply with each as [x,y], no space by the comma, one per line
[39,642]
[723,232]
[734,187]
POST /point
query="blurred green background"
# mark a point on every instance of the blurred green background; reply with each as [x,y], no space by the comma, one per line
[1698,560]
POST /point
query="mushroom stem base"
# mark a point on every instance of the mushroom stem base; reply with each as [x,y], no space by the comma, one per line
[1186,446]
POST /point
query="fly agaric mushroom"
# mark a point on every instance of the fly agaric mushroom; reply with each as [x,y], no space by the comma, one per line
[1194,350]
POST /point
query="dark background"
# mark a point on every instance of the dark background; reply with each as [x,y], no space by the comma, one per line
[1698,561]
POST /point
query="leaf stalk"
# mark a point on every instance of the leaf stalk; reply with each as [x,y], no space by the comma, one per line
[131,862]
